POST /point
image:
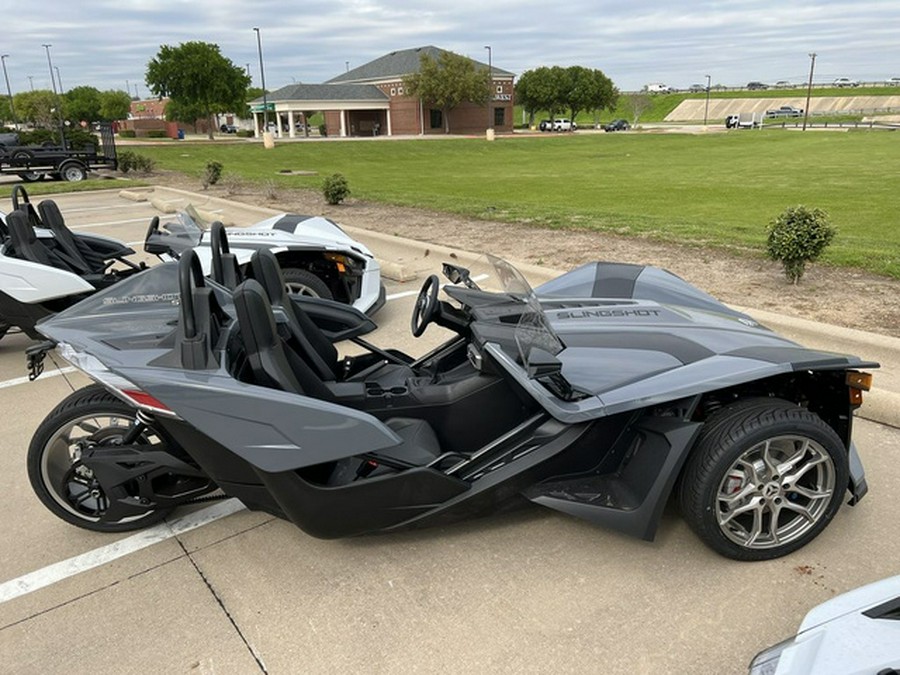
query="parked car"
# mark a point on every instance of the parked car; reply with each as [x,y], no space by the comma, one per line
[743,121]
[753,86]
[785,111]
[657,88]
[845,82]
[617,125]
[695,88]
[784,84]
[546,125]
[893,81]
[228,129]
[857,632]
[564,124]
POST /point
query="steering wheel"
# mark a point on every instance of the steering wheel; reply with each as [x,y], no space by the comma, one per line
[426,306]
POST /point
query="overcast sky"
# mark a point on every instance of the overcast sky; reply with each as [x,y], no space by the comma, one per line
[107,43]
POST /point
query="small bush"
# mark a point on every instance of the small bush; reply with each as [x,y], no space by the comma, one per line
[132,161]
[127,133]
[335,189]
[244,133]
[323,130]
[233,184]
[156,133]
[798,236]
[212,174]
[270,190]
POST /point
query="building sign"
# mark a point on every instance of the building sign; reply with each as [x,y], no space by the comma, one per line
[259,107]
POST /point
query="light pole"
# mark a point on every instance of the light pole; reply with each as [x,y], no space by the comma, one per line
[12,110]
[347,66]
[62,135]
[31,82]
[490,86]
[706,109]
[58,79]
[262,77]
[812,68]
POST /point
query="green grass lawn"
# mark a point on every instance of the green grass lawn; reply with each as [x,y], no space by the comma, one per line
[718,189]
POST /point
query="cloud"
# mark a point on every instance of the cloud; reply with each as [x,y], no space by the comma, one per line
[108,44]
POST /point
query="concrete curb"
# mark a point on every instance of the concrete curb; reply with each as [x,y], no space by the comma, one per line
[405,260]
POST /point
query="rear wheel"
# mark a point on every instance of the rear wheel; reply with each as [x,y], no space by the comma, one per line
[31,176]
[764,479]
[73,172]
[87,418]
[304,282]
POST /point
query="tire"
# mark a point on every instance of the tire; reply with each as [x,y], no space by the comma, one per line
[737,491]
[22,155]
[304,282]
[4,329]
[72,172]
[53,456]
[31,176]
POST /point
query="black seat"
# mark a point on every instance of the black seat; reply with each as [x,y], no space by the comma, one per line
[77,250]
[225,268]
[309,340]
[274,365]
[26,245]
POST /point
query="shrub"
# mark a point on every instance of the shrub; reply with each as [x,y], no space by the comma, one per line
[233,184]
[335,188]
[212,174]
[270,190]
[156,133]
[132,161]
[323,130]
[798,236]
[127,133]
[244,133]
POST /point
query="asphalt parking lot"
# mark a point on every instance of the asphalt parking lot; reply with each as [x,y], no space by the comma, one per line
[222,590]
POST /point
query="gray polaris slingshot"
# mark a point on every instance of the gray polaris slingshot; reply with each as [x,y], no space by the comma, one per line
[610,390]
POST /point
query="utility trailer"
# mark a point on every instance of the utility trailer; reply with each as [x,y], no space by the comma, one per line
[34,162]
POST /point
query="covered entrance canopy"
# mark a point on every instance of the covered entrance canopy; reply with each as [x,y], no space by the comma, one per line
[350,109]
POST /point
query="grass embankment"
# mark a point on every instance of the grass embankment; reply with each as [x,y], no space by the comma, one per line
[662,104]
[717,190]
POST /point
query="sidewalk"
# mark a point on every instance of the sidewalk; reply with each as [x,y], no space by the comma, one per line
[405,260]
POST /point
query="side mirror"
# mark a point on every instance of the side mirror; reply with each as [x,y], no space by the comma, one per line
[456,274]
[547,369]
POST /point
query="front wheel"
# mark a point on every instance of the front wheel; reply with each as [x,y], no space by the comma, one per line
[303,282]
[72,172]
[764,479]
[87,418]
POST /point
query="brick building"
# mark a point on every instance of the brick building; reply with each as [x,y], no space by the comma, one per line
[369,100]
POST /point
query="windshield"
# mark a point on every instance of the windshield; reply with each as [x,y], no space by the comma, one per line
[533,331]
[178,235]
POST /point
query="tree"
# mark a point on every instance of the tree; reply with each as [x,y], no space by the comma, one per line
[197,79]
[797,236]
[82,103]
[37,107]
[114,105]
[538,90]
[637,103]
[447,82]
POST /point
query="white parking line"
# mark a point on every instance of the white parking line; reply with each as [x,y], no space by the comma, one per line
[111,222]
[46,576]
[108,208]
[403,294]
[24,380]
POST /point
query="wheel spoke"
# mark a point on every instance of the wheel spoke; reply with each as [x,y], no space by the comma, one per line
[756,530]
[812,495]
[754,503]
[745,492]
[749,467]
[792,479]
[794,459]
[771,464]
[802,510]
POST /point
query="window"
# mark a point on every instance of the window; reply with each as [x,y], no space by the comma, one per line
[499,117]
[400,91]
[437,119]
[499,88]
[393,91]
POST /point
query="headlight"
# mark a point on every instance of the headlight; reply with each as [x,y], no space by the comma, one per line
[766,662]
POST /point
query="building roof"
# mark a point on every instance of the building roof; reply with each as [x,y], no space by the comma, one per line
[397,64]
[325,92]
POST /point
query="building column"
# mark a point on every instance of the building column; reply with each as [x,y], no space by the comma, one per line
[389,132]
[256,125]
[291,129]
[343,123]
